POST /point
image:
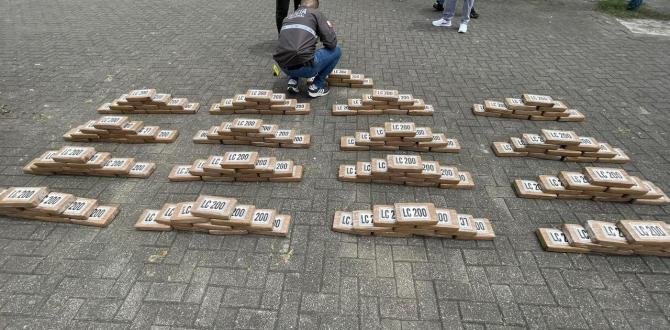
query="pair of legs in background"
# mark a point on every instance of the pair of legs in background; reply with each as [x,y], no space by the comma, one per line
[323,64]
[439,6]
[450,11]
[282,11]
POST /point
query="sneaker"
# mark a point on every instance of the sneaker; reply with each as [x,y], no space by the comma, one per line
[438,7]
[292,86]
[463,28]
[474,14]
[442,22]
[315,91]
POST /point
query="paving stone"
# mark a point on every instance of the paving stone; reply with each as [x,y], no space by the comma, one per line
[480,257]
[481,289]
[314,259]
[408,253]
[25,323]
[662,301]
[660,283]
[403,280]
[69,311]
[454,290]
[398,308]
[98,309]
[480,312]
[641,320]
[384,261]
[638,293]
[349,296]
[369,313]
[19,247]
[582,279]
[656,265]
[288,313]
[504,327]
[428,308]
[530,294]
[377,287]
[305,282]
[508,307]
[633,264]
[166,292]
[272,293]
[358,267]
[177,315]
[237,297]
[504,274]
[19,283]
[448,317]
[20,264]
[85,287]
[132,302]
[420,325]
[319,303]
[227,277]
[196,289]
[533,316]
[558,287]
[616,320]
[331,275]
[21,304]
[614,299]
[564,317]
[330,321]
[366,249]
[225,318]
[210,306]
[348,250]
[76,324]
[308,321]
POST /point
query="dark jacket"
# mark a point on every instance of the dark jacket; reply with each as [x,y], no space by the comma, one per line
[298,37]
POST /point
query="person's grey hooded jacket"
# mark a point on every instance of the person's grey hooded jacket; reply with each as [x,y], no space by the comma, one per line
[299,35]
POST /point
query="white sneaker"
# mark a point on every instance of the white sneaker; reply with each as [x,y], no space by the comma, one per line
[292,86]
[442,22]
[314,91]
[463,28]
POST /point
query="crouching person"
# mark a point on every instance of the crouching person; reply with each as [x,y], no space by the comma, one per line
[296,52]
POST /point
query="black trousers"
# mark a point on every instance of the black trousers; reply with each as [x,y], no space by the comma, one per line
[282,10]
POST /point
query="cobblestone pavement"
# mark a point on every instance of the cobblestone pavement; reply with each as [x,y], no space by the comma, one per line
[61,59]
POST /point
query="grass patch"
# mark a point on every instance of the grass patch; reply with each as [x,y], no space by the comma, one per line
[617,8]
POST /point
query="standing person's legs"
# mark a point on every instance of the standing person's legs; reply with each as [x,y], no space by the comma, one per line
[281,12]
[467,7]
[449,10]
[325,61]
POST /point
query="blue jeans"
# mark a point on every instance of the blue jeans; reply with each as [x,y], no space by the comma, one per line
[325,61]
